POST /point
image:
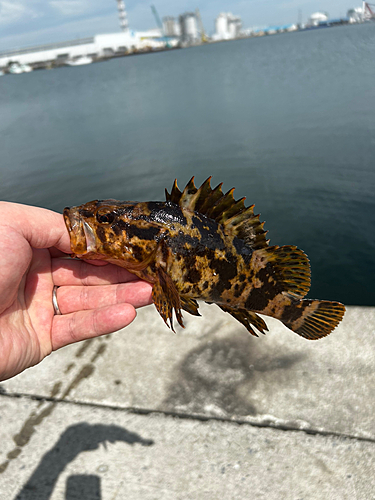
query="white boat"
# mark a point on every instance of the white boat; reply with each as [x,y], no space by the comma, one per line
[17,68]
[80,61]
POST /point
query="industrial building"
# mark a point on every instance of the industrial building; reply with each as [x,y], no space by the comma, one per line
[355,15]
[361,14]
[318,17]
[171,26]
[97,47]
[183,31]
[227,26]
[189,27]
[85,50]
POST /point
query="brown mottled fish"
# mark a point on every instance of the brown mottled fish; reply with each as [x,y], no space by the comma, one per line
[203,244]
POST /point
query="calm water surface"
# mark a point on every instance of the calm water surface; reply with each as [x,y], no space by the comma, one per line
[289,120]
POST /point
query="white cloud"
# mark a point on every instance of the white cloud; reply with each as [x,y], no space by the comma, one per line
[12,11]
[294,4]
[70,7]
[67,31]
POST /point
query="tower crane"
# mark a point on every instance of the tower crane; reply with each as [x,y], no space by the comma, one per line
[368,12]
[160,25]
[200,26]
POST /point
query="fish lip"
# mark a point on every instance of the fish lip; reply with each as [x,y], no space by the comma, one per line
[67,219]
[75,227]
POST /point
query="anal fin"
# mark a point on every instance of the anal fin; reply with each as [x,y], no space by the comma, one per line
[189,305]
[166,298]
[247,318]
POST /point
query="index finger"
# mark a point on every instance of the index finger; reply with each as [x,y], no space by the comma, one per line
[78,272]
[42,228]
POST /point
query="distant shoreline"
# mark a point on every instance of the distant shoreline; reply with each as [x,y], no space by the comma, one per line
[24,60]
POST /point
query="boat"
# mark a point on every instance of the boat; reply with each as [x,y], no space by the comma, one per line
[17,68]
[80,61]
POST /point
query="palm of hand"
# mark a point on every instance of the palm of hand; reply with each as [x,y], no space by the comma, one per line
[26,323]
[94,300]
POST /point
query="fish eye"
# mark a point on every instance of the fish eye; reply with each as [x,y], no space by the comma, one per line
[105,218]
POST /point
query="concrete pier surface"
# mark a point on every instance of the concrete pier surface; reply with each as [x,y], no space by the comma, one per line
[207,413]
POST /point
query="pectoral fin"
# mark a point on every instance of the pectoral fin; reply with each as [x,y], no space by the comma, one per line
[166,298]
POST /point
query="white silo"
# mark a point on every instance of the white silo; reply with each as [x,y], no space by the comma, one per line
[221,25]
[234,25]
[227,26]
[170,26]
[189,27]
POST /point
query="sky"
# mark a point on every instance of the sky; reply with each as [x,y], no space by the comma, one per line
[26,23]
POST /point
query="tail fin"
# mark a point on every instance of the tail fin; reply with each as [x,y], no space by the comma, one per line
[313,319]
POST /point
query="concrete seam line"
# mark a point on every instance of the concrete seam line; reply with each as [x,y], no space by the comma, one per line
[191,416]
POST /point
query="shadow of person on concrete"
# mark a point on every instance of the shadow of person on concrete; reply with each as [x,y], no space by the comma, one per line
[82,487]
[217,378]
[74,440]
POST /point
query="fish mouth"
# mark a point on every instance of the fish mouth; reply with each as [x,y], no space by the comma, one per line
[76,229]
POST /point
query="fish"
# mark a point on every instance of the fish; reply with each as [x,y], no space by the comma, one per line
[203,244]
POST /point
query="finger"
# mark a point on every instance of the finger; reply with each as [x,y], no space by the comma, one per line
[40,227]
[78,272]
[55,252]
[82,325]
[96,262]
[77,298]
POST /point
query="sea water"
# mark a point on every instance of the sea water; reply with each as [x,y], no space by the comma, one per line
[289,120]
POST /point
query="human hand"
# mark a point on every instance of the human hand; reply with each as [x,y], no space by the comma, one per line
[93,299]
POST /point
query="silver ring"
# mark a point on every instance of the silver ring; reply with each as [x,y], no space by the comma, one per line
[54,300]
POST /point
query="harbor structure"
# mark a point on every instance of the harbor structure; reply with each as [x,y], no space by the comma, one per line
[368,11]
[227,26]
[84,50]
[186,30]
[362,14]
[91,49]
[317,18]
[221,25]
[171,26]
[234,25]
[355,15]
[201,30]
[122,15]
[189,28]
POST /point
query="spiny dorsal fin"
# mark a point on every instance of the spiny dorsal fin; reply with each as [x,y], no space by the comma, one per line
[211,199]
[190,198]
[224,203]
[247,226]
[188,195]
[175,195]
[193,198]
[237,219]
